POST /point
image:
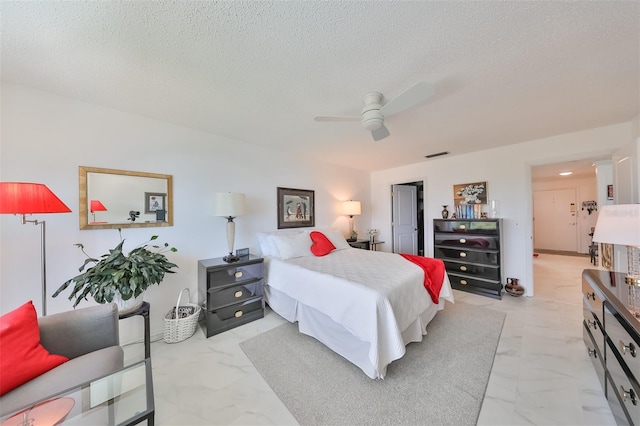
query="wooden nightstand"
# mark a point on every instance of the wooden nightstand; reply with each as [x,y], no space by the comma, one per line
[231,294]
[360,244]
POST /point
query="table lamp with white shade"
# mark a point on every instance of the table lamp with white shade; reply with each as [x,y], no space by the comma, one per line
[352,208]
[620,224]
[229,205]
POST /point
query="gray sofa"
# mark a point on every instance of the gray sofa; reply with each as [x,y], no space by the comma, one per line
[89,337]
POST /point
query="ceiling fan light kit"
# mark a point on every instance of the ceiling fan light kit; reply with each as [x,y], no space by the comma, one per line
[373,114]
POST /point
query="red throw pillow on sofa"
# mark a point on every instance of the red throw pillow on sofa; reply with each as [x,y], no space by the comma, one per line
[321,245]
[22,357]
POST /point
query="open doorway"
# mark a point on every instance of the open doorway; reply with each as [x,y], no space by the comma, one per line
[407,218]
[564,211]
[564,207]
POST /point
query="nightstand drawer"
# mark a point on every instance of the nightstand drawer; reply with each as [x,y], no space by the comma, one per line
[235,275]
[223,296]
[490,257]
[232,316]
[491,272]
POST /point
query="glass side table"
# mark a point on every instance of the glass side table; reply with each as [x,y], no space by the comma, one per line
[122,398]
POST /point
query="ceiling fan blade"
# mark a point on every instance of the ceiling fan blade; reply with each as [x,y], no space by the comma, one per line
[380,133]
[335,118]
[414,95]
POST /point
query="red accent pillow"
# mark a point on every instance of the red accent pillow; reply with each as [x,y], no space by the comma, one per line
[321,245]
[22,357]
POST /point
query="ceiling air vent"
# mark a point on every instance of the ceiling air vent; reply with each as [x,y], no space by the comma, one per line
[437,154]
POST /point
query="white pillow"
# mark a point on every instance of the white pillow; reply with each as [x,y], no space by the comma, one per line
[336,238]
[267,244]
[293,245]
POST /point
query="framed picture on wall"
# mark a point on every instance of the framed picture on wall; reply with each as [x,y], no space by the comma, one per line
[296,208]
[154,201]
[470,193]
[609,192]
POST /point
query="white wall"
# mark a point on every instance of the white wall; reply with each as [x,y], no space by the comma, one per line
[46,137]
[508,174]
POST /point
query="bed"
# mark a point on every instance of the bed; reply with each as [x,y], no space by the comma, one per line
[364,305]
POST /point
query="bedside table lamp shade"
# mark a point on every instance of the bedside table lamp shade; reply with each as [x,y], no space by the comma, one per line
[96,206]
[31,198]
[229,205]
[352,208]
[620,224]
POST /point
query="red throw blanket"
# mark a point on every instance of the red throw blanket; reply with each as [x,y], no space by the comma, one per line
[433,273]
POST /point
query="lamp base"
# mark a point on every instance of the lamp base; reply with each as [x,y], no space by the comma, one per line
[231,258]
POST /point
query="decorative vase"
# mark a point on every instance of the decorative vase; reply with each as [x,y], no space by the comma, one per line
[513,288]
[445,212]
[126,306]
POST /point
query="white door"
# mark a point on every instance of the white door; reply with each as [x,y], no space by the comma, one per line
[404,219]
[555,217]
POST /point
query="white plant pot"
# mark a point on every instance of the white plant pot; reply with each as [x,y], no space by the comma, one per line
[126,306]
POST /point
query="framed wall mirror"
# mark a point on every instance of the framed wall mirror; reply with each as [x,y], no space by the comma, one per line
[111,198]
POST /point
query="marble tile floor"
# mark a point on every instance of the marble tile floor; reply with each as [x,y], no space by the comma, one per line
[541,373]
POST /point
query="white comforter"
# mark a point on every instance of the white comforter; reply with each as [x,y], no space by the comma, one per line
[375,295]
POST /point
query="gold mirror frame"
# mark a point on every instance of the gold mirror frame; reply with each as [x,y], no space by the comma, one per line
[84,192]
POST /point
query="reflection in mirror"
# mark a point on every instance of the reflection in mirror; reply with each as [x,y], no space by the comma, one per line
[112,198]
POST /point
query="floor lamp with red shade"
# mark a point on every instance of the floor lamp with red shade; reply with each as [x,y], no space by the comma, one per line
[25,198]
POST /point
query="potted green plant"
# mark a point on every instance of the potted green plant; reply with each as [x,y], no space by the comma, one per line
[120,278]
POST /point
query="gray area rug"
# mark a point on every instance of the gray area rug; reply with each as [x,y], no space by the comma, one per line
[439,381]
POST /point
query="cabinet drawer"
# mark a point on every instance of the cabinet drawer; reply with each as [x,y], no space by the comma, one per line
[237,275]
[489,257]
[593,300]
[462,281]
[491,272]
[463,240]
[617,409]
[223,296]
[621,385]
[595,353]
[627,348]
[466,226]
[232,316]
[593,325]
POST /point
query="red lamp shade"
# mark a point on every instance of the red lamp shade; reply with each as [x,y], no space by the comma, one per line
[29,198]
[97,206]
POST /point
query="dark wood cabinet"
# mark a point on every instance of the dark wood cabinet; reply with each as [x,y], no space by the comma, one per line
[472,253]
[611,334]
[231,294]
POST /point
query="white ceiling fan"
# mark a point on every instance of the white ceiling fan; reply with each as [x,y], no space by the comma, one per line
[374,113]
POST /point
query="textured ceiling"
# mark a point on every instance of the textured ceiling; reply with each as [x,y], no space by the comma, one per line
[504,72]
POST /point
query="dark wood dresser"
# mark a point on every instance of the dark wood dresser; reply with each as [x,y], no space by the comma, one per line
[612,336]
[231,294]
[472,253]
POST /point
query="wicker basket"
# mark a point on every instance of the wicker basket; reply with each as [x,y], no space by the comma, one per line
[181,327]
